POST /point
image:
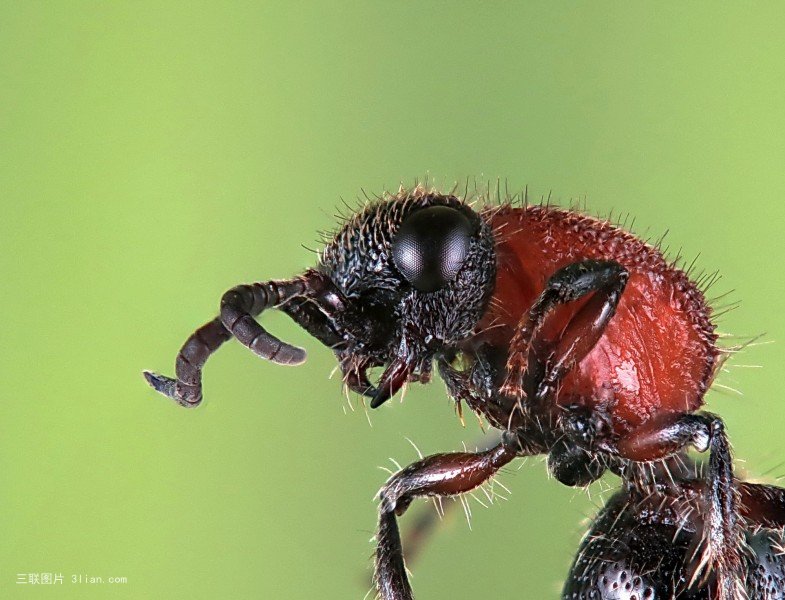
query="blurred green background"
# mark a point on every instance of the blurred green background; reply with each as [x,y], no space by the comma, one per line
[154,154]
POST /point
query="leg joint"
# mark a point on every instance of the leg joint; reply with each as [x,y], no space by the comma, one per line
[392,500]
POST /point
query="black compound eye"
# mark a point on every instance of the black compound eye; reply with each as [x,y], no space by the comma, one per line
[431,246]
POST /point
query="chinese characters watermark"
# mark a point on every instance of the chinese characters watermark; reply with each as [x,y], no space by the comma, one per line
[47,578]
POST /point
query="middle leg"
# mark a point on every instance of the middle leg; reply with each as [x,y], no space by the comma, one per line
[436,475]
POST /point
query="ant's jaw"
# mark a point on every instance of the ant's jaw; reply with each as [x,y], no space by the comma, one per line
[392,380]
[411,362]
[399,371]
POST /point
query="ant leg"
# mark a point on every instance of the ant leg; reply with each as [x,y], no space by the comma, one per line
[475,387]
[763,505]
[607,280]
[427,520]
[436,475]
[664,436]
[763,510]
[573,466]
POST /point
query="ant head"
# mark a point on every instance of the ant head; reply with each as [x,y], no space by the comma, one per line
[414,273]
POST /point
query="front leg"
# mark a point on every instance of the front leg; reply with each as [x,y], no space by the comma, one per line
[436,475]
[606,280]
[475,386]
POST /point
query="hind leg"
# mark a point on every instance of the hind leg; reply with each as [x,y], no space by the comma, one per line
[667,435]
[763,505]
[763,508]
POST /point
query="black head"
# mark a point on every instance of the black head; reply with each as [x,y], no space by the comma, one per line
[404,280]
[411,275]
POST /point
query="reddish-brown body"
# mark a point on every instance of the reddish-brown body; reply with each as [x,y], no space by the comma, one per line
[658,353]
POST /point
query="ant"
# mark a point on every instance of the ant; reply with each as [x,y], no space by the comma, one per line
[571,336]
